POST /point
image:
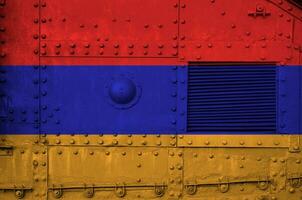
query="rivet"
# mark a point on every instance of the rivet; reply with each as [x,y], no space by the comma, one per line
[211,156]
[241,142]
[139,165]
[224,142]
[35,163]
[207,142]
[91,152]
[107,153]
[114,142]
[72,45]
[190,142]
[3,54]
[72,141]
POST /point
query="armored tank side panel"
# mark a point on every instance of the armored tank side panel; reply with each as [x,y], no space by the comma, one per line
[158,99]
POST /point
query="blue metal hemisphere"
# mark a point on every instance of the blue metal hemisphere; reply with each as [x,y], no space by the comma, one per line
[122,91]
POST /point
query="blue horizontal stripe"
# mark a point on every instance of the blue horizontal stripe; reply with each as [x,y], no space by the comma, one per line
[150,99]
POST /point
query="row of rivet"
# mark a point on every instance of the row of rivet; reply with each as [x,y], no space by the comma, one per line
[116,142]
[39,170]
[225,142]
[2,29]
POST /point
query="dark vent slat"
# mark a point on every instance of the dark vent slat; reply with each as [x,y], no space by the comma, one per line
[218,84]
[232,86]
[228,82]
[265,108]
[222,100]
[231,98]
[231,104]
[228,115]
[198,93]
[215,96]
[229,89]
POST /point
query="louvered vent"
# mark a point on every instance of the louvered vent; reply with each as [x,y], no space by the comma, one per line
[231,99]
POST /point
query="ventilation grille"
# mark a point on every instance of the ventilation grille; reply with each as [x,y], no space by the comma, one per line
[232,99]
